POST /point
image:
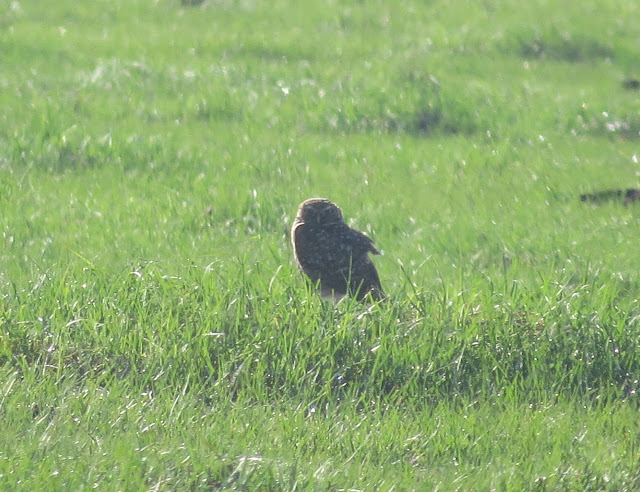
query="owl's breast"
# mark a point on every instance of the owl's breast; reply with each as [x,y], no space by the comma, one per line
[319,248]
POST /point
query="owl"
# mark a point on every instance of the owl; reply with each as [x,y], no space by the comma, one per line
[332,254]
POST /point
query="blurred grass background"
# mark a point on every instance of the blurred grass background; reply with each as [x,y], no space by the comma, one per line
[154,331]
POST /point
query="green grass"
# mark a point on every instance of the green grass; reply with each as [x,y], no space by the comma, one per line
[154,332]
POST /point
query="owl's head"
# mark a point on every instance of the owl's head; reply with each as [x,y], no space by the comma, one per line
[319,211]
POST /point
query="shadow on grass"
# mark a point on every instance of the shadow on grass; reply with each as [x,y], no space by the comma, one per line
[554,44]
[413,103]
[627,197]
[565,49]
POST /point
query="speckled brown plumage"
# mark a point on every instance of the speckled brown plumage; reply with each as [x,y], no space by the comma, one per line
[332,254]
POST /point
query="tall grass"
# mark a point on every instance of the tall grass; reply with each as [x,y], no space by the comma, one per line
[154,333]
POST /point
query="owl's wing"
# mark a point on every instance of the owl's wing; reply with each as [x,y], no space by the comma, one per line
[362,274]
[365,280]
[338,257]
[362,243]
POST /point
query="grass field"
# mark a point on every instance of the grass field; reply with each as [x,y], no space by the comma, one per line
[154,331]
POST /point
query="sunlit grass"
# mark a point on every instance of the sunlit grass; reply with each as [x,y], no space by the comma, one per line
[154,333]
